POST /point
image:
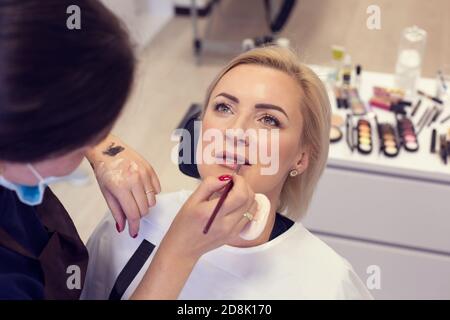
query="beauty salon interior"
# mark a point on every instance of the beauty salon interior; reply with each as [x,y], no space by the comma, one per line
[381,201]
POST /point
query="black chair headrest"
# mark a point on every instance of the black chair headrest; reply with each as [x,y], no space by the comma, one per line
[190,167]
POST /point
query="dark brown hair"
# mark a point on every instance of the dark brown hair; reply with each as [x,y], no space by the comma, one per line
[59,89]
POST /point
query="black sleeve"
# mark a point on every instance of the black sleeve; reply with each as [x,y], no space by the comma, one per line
[16,286]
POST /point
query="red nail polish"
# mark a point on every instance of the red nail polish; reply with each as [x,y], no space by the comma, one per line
[135,236]
[118,228]
[225,177]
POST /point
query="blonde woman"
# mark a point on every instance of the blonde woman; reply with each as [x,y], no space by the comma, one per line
[267,90]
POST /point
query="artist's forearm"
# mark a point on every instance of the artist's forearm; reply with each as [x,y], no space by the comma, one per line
[165,277]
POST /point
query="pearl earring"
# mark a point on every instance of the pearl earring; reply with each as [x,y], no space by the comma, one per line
[293,173]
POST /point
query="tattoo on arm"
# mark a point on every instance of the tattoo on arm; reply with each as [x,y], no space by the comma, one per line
[113,150]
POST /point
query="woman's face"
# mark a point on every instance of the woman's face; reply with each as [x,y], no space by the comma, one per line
[261,101]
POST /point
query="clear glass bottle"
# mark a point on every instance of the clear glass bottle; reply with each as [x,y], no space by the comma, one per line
[409,60]
[443,84]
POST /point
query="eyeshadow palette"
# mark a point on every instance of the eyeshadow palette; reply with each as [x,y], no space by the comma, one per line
[388,140]
[364,136]
[407,134]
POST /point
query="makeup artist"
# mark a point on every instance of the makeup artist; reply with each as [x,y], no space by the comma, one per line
[60,93]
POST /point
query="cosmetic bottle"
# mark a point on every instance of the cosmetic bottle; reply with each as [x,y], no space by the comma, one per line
[347,71]
[337,55]
[358,70]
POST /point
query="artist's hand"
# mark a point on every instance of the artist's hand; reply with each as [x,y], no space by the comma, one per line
[185,241]
[186,232]
[127,181]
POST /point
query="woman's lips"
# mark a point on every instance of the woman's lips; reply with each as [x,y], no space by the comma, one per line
[231,160]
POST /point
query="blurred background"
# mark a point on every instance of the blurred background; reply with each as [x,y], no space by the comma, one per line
[380,213]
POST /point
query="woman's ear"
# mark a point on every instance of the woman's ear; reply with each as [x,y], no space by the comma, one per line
[301,164]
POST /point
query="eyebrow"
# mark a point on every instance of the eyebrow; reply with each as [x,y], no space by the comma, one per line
[228,96]
[257,106]
[270,106]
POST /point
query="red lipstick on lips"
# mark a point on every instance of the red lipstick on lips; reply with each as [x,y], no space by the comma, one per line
[231,160]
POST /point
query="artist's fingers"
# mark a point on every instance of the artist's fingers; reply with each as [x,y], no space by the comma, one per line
[207,187]
[154,179]
[240,220]
[241,225]
[240,196]
[131,210]
[149,188]
[137,189]
[116,209]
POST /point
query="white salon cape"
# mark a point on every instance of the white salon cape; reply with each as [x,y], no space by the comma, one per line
[294,265]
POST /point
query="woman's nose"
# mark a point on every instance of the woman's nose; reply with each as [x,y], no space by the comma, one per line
[237,134]
[236,137]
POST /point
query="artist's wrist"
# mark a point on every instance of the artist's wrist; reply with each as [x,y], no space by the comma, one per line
[170,252]
[96,154]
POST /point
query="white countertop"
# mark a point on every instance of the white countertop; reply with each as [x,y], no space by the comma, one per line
[421,164]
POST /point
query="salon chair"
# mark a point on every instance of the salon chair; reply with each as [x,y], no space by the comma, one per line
[277,14]
[190,168]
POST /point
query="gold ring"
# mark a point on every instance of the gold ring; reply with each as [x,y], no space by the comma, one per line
[249,216]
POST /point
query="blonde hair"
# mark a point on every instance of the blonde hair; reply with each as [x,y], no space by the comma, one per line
[297,191]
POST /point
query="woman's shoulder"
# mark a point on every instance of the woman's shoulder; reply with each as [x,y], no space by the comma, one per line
[315,248]
[326,272]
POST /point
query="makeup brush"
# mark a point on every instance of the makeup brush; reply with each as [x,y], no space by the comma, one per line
[433,141]
[426,95]
[445,119]
[380,136]
[426,119]
[423,117]
[222,198]
[349,132]
[443,148]
[437,115]
[416,107]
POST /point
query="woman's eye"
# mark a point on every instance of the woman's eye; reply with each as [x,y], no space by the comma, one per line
[223,108]
[270,121]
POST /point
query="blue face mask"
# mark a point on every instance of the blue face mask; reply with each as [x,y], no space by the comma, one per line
[31,195]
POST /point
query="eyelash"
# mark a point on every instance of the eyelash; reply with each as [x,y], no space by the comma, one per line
[219,105]
[272,118]
[276,122]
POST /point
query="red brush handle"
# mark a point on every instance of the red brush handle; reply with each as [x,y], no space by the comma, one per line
[218,206]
